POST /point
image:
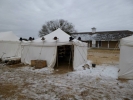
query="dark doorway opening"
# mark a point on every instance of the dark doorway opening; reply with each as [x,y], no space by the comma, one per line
[64,59]
[100,44]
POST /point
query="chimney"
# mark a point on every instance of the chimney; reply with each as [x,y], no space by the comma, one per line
[93,30]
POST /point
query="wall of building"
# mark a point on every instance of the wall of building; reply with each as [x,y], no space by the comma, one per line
[113,44]
[104,44]
[89,43]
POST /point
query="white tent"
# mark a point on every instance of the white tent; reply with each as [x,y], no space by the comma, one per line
[9,45]
[126,58]
[47,49]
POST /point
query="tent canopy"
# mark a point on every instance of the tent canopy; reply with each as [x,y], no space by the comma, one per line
[63,39]
[61,35]
[47,49]
[9,45]
[127,41]
[8,36]
[126,58]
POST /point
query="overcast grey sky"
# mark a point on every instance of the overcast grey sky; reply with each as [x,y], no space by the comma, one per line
[26,17]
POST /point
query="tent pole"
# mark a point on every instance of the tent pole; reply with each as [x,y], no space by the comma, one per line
[57,57]
[72,55]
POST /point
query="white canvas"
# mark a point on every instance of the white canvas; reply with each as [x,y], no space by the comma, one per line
[10,46]
[39,53]
[8,36]
[126,58]
[49,50]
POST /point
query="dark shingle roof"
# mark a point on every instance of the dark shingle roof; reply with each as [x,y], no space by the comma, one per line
[105,35]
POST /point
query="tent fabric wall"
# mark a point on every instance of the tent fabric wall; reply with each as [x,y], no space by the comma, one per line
[10,49]
[128,41]
[80,55]
[30,52]
[10,46]
[126,58]
[126,62]
[49,51]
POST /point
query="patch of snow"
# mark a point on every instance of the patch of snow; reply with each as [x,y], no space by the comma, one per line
[95,83]
[45,70]
[100,71]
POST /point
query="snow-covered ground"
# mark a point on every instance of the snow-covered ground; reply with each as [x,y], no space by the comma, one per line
[98,83]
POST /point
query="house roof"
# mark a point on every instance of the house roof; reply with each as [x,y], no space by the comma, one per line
[102,35]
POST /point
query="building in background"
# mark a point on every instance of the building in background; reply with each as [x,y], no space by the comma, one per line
[102,39]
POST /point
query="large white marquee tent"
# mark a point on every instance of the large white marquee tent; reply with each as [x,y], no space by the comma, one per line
[9,45]
[47,49]
[126,58]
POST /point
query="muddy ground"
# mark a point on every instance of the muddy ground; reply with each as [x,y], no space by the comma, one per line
[25,83]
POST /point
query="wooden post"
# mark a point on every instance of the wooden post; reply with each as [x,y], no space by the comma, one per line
[108,44]
[89,44]
[98,44]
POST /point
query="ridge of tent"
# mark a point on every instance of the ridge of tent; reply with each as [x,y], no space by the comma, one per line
[8,36]
[61,35]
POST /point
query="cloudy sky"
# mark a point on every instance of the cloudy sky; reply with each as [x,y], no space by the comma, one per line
[26,17]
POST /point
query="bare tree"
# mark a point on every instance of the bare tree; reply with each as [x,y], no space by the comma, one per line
[51,26]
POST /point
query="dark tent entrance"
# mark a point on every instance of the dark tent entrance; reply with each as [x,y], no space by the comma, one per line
[64,59]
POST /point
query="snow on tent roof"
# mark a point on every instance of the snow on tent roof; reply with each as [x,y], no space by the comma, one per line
[61,35]
[8,36]
[127,41]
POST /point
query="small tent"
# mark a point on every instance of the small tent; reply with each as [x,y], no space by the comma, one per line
[47,49]
[126,58]
[9,45]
